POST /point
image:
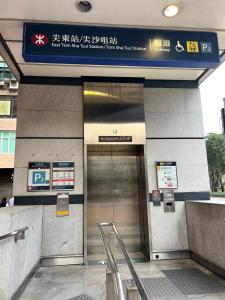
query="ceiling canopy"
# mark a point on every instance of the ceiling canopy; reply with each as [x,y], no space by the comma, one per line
[193,15]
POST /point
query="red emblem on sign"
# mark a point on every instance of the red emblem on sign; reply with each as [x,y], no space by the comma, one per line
[156,193]
[39,39]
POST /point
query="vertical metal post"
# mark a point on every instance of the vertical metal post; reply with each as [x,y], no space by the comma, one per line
[110,290]
[117,282]
[112,243]
[132,292]
[85,205]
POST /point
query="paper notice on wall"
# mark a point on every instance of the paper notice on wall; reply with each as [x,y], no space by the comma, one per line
[62,207]
[63,175]
[166,175]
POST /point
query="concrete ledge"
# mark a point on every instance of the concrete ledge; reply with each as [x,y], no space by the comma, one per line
[24,284]
[208,265]
[205,220]
[20,257]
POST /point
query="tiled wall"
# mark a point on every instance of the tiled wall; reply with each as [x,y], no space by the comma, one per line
[50,128]
[175,133]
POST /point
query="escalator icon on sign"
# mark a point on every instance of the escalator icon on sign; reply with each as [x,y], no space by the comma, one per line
[179,47]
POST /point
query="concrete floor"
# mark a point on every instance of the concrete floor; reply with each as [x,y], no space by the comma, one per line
[66,282]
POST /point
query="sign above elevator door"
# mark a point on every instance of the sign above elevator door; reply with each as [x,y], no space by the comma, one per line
[74,44]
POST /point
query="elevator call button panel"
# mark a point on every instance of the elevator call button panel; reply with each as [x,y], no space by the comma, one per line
[169,201]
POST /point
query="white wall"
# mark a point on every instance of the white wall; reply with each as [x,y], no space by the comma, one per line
[17,259]
[174,133]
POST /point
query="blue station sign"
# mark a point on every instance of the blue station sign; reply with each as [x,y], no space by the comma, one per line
[94,45]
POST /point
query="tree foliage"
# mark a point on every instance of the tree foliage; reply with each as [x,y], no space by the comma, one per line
[215,147]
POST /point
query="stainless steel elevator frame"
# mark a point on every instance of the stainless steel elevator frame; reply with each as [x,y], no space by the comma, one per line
[114,111]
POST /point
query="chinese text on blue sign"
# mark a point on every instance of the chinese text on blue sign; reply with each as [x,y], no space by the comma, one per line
[73,44]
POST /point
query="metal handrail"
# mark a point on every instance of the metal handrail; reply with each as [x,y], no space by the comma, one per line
[17,234]
[136,278]
[113,266]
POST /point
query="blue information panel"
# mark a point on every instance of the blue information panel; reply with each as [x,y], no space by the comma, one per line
[72,44]
[38,176]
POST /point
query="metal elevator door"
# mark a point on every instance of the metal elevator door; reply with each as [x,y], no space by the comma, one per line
[113,195]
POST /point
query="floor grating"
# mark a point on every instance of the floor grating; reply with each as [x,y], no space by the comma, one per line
[81,297]
[181,282]
[193,282]
[158,287]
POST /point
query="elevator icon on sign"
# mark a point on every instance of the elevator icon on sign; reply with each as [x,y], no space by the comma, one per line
[192,47]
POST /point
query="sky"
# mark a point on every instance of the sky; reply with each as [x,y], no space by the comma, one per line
[212,94]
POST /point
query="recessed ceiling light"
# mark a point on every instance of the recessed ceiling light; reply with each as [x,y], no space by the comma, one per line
[171,10]
[83,5]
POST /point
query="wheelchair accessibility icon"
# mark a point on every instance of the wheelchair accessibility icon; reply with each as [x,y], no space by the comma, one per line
[179,47]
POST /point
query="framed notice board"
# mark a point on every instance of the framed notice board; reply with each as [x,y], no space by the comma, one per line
[38,176]
[63,175]
[166,172]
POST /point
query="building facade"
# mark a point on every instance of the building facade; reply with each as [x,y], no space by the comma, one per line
[110,100]
[109,130]
[50,129]
[8,111]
